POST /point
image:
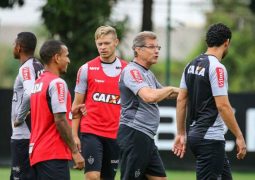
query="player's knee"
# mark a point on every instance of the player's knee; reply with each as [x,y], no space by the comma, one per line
[155,178]
[94,175]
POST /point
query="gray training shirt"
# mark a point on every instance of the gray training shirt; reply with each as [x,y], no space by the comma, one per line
[136,113]
[24,83]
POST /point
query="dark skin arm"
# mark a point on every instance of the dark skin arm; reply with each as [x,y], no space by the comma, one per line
[66,134]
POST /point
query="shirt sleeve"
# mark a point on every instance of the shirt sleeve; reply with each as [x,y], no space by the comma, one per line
[81,80]
[58,91]
[218,79]
[183,84]
[27,75]
[134,80]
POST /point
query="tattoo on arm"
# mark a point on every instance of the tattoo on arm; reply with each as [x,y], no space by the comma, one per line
[65,131]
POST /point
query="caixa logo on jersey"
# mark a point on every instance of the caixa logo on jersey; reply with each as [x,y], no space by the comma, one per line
[106,98]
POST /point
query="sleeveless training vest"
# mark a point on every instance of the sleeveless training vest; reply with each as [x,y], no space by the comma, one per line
[102,102]
[45,142]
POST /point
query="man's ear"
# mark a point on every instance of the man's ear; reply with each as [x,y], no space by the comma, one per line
[116,41]
[56,58]
[18,47]
[227,42]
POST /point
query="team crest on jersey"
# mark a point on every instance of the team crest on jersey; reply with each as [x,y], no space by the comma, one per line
[61,92]
[37,87]
[220,76]
[136,75]
[106,98]
[26,73]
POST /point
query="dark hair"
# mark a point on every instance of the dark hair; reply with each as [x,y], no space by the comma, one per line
[49,49]
[217,35]
[27,41]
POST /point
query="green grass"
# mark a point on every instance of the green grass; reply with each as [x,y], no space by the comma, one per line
[171,174]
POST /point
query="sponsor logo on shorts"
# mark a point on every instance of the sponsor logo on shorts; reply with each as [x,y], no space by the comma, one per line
[16,168]
[114,161]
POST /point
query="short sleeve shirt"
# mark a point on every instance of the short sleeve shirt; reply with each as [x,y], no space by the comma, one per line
[136,113]
[58,91]
[204,78]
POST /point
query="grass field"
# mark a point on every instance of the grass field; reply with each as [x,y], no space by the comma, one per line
[172,175]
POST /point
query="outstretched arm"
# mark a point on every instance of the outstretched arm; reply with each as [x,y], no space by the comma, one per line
[151,95]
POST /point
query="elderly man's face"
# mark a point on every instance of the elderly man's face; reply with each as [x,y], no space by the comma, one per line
[149,52]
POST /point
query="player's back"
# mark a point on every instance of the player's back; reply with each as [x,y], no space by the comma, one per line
[203,114]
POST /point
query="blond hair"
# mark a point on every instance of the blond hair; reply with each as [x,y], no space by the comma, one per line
[105,30]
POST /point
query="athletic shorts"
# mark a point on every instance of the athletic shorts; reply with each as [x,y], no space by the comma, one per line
[52,169]
[139,155]
[101,154]
[211,159]
[20,166]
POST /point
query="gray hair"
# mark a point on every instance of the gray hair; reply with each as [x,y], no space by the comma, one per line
[140,38]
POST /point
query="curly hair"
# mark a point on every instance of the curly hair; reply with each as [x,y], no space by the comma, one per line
[217,35]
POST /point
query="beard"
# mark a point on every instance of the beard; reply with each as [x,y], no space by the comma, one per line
[224,53]
[16,55]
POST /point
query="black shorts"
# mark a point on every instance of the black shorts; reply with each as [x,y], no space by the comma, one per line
[52,170]
[139,155]
[211,159]
[20,166]
[101,154]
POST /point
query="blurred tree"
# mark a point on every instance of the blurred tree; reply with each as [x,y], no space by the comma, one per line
[74,23]
[252,5]
[240,59]
[10,3]
[147,24]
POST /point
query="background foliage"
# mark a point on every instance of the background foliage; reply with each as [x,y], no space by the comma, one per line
[75,25]
[240,61]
